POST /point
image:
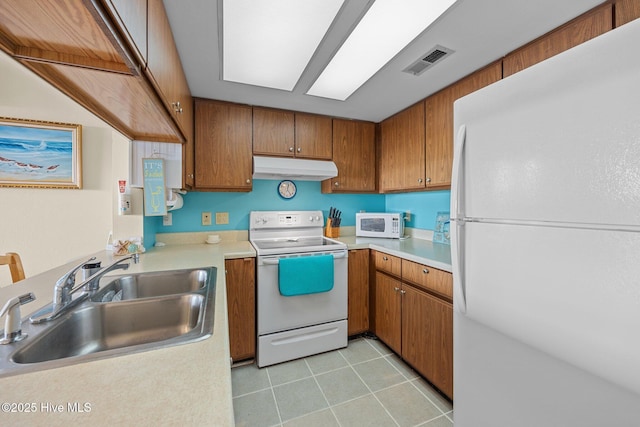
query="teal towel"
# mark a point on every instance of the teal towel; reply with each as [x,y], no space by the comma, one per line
[305,275]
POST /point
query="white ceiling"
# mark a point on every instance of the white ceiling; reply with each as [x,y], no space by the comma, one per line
[479,31]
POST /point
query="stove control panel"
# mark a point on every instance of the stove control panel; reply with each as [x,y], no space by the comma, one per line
[280,219]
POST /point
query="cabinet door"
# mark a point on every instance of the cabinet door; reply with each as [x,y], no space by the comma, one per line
[583,28]
[358,319]
[439,127]
[313,136]
[427,337]
[402,154]
[131,16]
[241,307]
[388,311]
[164,66]
[626,11]
[223,153]
[354,153]
[273,132]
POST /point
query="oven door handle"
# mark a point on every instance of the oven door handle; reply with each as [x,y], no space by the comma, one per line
[275,261]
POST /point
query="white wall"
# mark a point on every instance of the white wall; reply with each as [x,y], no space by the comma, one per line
[49,227]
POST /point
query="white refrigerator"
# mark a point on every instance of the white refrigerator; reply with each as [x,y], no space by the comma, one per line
[545,212]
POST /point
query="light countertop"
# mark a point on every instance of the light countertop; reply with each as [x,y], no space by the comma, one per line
[185,385]
[436,255]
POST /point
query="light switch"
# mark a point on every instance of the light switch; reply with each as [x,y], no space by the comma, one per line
[222,217]
[167,219]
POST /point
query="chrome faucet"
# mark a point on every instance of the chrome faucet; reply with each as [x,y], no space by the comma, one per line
[13,323]
[63,300]
[61,292]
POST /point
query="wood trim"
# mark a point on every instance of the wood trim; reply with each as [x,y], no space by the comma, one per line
[560,39]
[39,55]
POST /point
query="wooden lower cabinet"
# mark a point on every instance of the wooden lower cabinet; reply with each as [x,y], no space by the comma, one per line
[358,314]
[427,337]
[241,307]
[413,315]
[388,311]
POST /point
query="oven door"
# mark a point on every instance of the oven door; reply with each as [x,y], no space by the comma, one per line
[278,313]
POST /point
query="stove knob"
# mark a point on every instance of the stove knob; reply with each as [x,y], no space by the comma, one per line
[310,219]
[264,220]
[318,218]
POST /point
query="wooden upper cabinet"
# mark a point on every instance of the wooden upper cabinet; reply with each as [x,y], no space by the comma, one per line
[439,123]
[354,153]
[164,66]
[70,32]
[131,16]
[402,150]
[125,102]
[585,27]
[313,135]
[273,132]
[223,149]
[626,11]
[71,43]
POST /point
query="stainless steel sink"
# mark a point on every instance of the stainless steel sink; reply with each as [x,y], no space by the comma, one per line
[146,285]
[158,310]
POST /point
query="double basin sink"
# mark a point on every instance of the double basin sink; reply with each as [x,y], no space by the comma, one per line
[130,313]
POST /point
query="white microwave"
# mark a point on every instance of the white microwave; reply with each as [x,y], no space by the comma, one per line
[389,225]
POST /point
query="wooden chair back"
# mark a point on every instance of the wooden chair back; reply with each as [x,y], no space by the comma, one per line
[12,259]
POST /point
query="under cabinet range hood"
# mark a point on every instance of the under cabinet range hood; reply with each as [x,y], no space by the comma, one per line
[289,168]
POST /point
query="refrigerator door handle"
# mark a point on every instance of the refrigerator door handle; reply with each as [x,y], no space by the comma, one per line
[456,173]
[457,230]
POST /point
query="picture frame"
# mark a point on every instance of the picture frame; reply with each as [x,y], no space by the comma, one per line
[42,154]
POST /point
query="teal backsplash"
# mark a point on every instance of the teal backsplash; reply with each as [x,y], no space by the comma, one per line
[423,207]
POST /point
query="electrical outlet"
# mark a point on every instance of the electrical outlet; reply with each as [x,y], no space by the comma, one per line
[167,219]
[206,218]
[408,215]
[222,217]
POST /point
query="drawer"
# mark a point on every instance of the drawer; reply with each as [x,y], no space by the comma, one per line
[428,278]
[388,263]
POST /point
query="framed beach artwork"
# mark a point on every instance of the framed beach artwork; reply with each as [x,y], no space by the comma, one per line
[40,154]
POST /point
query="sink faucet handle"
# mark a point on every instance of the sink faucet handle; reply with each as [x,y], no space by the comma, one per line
[69,279]
[13,323]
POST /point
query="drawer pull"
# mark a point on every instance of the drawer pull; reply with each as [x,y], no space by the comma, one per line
[425,271]
[384,258]
[396,289]
[403,292]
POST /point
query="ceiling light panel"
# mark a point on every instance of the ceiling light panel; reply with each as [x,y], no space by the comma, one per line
[386,28]
[270,43]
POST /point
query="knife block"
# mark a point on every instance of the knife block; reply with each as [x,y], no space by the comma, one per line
[331,231]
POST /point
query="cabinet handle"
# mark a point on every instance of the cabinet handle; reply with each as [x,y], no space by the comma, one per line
[299,149]
[425,271]
[396,289]
[384,258]
[428,179]
[420,180]
[403,292]
[191,176]
[337,184]
[291,149]
[248,181]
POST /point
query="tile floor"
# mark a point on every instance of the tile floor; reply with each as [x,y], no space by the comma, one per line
[363,385]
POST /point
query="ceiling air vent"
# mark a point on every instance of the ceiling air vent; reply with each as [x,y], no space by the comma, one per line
[428,60]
